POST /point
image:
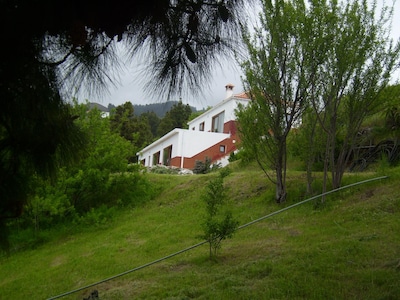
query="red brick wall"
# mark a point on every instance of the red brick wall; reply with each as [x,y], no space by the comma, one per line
[214,151]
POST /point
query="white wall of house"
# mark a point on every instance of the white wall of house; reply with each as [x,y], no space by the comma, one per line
[202,133]
[171,138]
[185,143]
[227,106]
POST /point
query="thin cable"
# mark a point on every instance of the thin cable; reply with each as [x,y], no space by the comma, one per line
[204,242]
[129,271]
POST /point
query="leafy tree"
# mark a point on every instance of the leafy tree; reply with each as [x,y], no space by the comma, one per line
[176,117]
[278,76]
[79,189]
[131,127]
[357,66]
[108,153]
[88,193]
[53,47]
[36,137]
[165,126]
[332,57]
[143,129]
[308,143]
[390,99]
[122,120]
[48,204]
[153,120]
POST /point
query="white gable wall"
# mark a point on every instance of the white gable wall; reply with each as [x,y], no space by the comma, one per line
[188,143]
[227,106]
[171,138]
[185,143]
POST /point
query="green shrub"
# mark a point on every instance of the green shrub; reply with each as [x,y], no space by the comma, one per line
[219,224]
[97,216]
[202,167]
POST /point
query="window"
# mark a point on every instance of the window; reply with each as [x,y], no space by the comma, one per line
[218,123]
[156,158]
[201,126]
[222,148]
[167,154]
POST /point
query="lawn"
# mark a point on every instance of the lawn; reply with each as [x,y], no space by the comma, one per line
[348,248]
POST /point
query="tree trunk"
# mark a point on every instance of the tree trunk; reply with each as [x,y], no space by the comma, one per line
[326,169]
[280,192]
[310,159]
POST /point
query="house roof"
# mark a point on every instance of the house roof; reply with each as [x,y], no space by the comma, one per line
[162,139]
[98,106]
[243,95]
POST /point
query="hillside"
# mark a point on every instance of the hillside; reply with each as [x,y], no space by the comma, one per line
[347,249]
[159,109]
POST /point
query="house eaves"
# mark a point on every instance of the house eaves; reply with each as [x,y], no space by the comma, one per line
[215,108]
[162,139]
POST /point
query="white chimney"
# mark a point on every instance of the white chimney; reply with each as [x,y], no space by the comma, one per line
[229,90]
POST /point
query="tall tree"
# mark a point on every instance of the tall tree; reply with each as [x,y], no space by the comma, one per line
[131,127]
[122,120]
[107,153]
[176,117]
[153,120]
[278,76]
[358,64]
[334,57]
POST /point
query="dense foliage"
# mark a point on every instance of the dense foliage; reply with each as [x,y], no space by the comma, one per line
[176,117]
[321,61]
[159,108]
[141,130]
[89,192]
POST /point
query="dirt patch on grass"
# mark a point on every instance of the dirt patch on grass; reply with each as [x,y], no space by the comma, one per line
[58,261]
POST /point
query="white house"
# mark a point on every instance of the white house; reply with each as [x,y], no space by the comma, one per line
[105,113]
[211,135]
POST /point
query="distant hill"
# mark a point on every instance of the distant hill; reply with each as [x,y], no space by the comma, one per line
[159,108]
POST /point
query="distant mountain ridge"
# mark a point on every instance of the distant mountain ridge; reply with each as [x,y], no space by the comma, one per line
[160,109]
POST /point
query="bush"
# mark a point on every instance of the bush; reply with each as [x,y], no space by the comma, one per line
[218,225]
[202,167]
[232,157]
[97,216]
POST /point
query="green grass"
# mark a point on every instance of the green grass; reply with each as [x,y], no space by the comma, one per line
[349,249]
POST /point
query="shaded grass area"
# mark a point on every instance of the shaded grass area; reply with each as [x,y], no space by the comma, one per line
[347,249]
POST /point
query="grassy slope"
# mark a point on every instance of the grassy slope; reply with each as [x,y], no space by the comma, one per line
[350,249]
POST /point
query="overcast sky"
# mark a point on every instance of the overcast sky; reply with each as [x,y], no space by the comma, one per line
[130,87]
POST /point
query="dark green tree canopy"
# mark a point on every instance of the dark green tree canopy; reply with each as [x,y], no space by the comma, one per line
[135,129]
[176,117]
